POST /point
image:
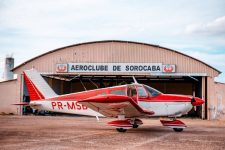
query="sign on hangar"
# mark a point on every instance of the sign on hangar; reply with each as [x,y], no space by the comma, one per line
[115,67]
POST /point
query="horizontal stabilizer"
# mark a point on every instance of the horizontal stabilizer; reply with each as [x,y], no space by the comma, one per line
[22,104]
[27,104]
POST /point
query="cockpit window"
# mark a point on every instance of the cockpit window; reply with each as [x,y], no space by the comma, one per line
[141,91]
[152,91]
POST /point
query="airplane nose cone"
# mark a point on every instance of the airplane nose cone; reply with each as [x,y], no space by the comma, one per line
[197,101]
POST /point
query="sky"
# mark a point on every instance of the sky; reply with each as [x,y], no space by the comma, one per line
[32,27]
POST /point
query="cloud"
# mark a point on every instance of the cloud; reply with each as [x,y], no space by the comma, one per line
[215,27]
[214,60]
[30,28]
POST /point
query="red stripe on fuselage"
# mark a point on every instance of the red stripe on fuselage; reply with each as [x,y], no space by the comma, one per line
[86,94]
[167,98]
[106,91]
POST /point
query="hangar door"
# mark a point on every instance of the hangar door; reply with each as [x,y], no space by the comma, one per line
[64,84]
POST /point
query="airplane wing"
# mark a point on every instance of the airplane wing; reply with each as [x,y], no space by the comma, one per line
[114,105]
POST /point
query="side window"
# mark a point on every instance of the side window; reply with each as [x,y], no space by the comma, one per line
[118,92]
[103,93]
[141,91]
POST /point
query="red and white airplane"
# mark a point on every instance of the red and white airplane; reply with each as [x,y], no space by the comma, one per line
[127,103]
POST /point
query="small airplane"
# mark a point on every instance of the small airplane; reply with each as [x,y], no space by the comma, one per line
[127,103]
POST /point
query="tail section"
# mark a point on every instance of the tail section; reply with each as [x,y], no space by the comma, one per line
[37,87]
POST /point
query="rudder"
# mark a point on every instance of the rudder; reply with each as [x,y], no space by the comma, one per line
[37,87]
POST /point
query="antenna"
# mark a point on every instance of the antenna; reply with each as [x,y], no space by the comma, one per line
[83,84]
[74,77]
[135,81]
[93,83]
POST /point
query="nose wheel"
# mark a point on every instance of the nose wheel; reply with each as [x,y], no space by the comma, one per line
[135,126]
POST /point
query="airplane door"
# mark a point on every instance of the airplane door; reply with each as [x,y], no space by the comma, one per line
[132,93]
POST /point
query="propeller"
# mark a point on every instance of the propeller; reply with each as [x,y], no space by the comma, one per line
[195,101]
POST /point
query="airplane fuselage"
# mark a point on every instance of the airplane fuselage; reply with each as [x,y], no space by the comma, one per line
[64,106]
[161,104]
[127,103]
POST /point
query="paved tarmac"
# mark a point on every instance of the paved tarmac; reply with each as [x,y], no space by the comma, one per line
[64,133]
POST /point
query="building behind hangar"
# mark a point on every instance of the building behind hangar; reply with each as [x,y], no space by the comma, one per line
[89,65]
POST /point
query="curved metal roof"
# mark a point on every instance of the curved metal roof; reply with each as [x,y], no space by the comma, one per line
[107,41]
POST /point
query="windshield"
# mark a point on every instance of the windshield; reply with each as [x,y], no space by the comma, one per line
[152,91]
[141,91]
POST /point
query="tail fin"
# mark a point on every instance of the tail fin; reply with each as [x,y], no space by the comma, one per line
[37,87]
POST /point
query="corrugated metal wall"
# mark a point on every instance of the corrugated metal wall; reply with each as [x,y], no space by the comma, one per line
[112,52]
[216,99]
[122,52]
[218,103]
[8,97]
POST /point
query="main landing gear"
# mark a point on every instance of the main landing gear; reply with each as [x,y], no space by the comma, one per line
[121,129]
[123,125]
[176,125]
[178,129]
[136,123]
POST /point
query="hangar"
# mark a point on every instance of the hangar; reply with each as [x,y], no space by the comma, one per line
[99,64]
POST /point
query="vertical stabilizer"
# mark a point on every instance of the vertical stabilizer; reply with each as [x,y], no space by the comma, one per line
[37,87]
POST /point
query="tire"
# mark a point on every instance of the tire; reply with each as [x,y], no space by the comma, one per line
[178,129]
[135,126]
[121,129]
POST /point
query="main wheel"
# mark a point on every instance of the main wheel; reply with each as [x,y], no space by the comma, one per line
[135,126]
[178,129]
[121,129]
